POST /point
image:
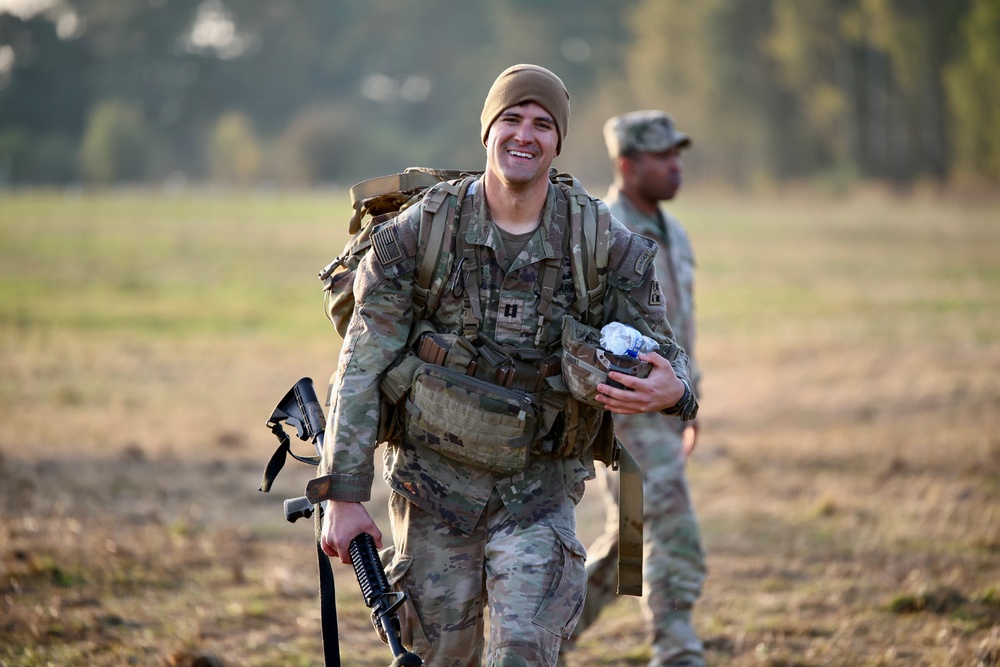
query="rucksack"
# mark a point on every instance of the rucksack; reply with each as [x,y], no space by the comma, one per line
[378,200]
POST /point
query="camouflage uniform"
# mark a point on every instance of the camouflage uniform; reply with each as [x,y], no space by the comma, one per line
[674,561]
[465,537]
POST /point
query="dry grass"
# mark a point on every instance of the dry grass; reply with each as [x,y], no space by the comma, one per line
[848,478]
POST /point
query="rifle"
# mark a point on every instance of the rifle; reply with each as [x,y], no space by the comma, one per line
[301,408]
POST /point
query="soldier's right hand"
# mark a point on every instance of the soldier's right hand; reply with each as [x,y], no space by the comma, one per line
[342,522]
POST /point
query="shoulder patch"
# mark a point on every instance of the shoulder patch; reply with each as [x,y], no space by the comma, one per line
[642,263]
[631,255]
[386,245]
[655,294]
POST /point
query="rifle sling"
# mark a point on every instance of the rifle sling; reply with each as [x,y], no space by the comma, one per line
[327,599]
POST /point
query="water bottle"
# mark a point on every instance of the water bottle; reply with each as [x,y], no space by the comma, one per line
[618,338]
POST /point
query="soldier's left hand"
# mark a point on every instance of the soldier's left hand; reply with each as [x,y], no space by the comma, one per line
[661,389]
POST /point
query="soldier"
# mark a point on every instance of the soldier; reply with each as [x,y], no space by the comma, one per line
[645,148]
[475,525]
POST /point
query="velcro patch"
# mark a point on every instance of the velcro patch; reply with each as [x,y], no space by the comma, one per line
[511,311]
[655,295]
[386,246]
[644,259]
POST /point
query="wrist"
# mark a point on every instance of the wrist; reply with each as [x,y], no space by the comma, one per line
[686,406]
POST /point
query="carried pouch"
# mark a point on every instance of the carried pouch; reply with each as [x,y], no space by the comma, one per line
[585,364]
[470,420]
[569,426]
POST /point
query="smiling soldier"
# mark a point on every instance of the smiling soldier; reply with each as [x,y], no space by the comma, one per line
[491,450]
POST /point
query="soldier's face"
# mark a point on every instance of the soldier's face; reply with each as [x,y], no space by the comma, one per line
[521,144]
[658,176]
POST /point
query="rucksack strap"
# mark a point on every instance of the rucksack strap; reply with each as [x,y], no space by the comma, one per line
[467,275]
[591,233]
[600,226]
[610,450]
[629,525]
[403,181]
[551,274]
[442,226]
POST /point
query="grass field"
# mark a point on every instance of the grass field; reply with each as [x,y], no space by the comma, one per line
[847,480]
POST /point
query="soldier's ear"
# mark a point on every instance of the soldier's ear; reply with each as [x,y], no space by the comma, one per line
[626,165]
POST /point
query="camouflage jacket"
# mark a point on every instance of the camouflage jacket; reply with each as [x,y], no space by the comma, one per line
[380,328]
[675,264]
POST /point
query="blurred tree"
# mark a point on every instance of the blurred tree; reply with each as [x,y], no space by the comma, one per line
[973,82]
[234,152]
[136,51]
[42,87]
[770,89]
[323,144]
[704,64]
[867,77]
[15,151]
[52,160]
[42,97]
[810,65]
[119,146]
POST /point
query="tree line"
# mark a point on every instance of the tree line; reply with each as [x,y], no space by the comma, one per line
[314,92]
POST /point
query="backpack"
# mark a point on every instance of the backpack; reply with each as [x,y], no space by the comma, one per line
[378,200]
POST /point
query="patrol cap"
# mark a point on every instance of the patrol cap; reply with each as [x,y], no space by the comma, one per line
[647,131]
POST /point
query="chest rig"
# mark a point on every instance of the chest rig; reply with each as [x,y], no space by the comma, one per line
[584,240]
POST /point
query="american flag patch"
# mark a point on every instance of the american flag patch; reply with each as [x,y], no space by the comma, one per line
[386,246]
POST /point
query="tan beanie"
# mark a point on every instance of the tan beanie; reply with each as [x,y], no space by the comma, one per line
[527,83]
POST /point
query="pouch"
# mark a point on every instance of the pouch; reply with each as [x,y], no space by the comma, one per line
[569,426]
[585,364]
[470,420]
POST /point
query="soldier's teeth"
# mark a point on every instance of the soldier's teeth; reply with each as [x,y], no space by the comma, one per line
[520,154]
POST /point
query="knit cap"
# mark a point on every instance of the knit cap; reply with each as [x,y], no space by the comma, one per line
[527,83]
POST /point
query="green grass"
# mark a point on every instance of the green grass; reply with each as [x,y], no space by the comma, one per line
[870,268]
[163,266]
[226,264]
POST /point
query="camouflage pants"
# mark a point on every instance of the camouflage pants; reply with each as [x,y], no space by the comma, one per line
[674,562]
[531,579]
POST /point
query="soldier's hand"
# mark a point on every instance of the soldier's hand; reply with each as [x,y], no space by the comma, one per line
[342,522]
[661,389]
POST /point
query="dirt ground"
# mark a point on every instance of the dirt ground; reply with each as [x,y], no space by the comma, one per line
[823,548]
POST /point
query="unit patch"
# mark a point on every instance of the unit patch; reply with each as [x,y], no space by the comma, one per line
[655,295]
